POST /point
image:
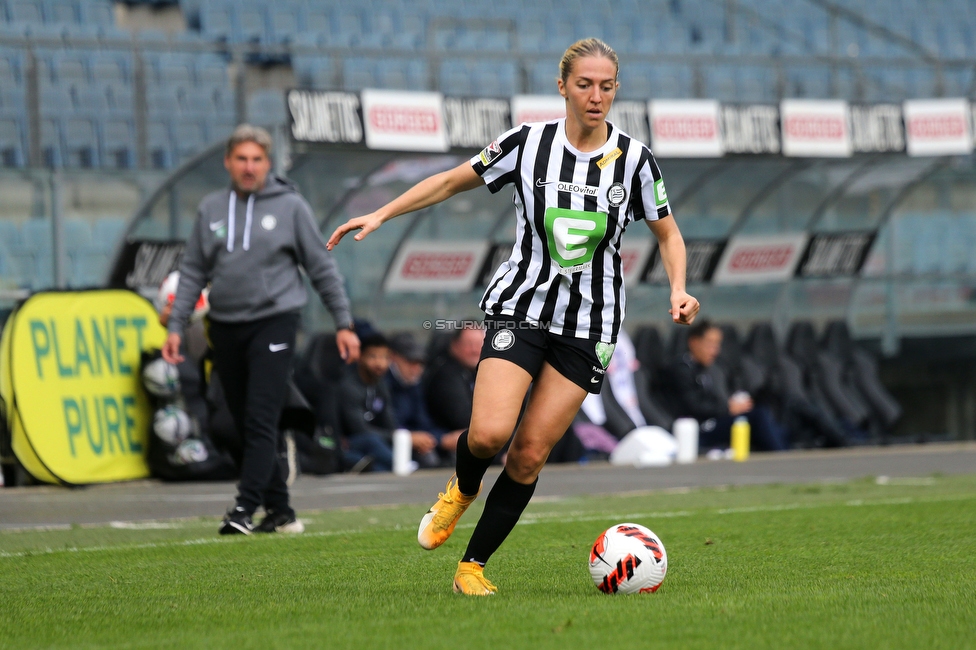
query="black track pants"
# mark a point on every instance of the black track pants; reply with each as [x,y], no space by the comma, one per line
[253,361]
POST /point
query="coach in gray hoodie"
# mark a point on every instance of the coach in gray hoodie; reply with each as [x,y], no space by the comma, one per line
[249,244]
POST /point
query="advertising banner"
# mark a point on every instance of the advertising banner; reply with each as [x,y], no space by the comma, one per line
[634,255]
[404,121]
[537,108]
[143,265]
[318,116]
[832,255]
[877,127]
[816,127]
[75,406]
[475,123]
[688,128]
[702,255]
[752,128]
[437,266]
[938,127]
[631,118]
[757,259]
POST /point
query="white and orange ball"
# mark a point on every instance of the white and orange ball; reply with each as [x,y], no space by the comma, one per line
[628,559]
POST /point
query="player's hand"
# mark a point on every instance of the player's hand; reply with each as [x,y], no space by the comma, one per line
[171,349]
[683,308]
[348,344]
[364,224]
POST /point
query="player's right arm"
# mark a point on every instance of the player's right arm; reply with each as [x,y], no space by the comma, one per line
[428,192]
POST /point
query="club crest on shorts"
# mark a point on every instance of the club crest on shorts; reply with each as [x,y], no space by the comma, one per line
[616,195]
[503,340]
[603,352]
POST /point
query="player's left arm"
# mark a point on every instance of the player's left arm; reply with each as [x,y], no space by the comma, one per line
[424,194]
[684,307]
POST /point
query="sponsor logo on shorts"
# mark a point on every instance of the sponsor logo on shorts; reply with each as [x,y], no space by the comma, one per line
[598,370]
[603,352]
[616,195]
[503,340]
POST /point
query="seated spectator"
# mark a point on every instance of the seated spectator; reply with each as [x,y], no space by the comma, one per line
[698,390]
[409,407]
[366,416]
[450,381]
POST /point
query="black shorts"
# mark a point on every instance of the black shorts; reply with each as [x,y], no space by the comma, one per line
[527,345]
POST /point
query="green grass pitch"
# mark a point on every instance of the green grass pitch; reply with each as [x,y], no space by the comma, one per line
[864,564]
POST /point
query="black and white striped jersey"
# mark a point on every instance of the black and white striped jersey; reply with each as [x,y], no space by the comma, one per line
[565,271]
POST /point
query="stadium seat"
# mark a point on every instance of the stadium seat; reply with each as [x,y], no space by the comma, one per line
[189,139]
[12,141]
[159,145]
[80,142]
[117,143]
[267,108]
[106,233]
[359,73]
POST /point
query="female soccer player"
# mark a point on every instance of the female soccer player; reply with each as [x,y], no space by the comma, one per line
[553,310]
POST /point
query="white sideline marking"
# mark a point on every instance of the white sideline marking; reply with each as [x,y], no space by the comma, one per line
[533,518]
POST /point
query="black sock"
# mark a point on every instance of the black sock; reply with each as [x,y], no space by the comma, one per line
[470,468]
[504,506]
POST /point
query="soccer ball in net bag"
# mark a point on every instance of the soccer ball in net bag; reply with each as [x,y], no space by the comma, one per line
[628,559]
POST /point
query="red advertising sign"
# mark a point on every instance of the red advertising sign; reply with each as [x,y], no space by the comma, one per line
[813,127]
[755,259]
[435,266]
[938,127]
[685,128]
[404,121]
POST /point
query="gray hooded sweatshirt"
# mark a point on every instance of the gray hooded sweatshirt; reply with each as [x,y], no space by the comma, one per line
[249,251]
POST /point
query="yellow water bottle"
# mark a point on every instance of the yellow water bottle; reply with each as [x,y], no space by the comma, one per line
[740,438]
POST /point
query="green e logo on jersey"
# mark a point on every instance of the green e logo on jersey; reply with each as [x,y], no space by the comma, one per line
[573,236]
[660,194]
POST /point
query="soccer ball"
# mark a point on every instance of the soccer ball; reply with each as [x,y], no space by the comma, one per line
[172,425]
[628,559]
[190,451]
[160,378]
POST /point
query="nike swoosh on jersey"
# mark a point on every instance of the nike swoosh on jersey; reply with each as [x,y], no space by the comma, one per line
[277,347]
[541,183]
[214,227]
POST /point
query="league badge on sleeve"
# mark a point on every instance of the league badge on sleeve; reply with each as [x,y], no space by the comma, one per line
[490,153]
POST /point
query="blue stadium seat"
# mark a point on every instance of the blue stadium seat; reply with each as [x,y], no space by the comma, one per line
[314,72]
[266,108]
[159,145]
[13,145]
[35,253]
[96,12]
[284,22]
[251,22]
[60,12]
[455,78]
[51,150]
[117,143]
[25,11]
[106,233]
[402,74]
[189,139]
[216,21]
[358,73]
[80,142]
[635,82]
